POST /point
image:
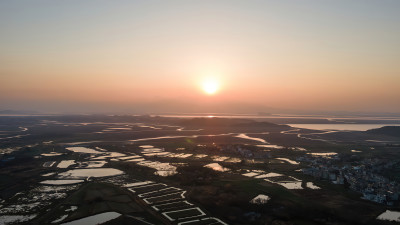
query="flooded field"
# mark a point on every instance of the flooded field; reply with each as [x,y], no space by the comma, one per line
[216,167]
[289,161]
[260,199]
[61,182]
[83,150]
[182,174]
[87,173]
[390,215]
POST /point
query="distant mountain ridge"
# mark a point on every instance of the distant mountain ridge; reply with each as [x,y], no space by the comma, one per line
[17,112]
[226,122]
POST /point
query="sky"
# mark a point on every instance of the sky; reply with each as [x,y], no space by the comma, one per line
[154,56]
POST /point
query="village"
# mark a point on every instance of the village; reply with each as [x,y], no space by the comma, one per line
[364,176]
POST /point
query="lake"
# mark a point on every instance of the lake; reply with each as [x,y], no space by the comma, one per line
[350,127]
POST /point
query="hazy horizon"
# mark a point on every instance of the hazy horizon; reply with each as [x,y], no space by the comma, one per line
[203,56]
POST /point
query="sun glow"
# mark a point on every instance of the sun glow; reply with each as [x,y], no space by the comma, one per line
[210,86]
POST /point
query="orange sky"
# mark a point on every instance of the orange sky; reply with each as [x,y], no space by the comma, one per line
[98,55]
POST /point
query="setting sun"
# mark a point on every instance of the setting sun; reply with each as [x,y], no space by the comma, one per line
[210,86]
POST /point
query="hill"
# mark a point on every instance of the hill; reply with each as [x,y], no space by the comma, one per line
[388,130]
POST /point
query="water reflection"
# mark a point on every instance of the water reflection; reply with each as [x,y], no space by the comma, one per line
[245,136]
[390,215]
[216,167]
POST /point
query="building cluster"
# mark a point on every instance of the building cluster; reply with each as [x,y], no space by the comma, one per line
[363,176]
